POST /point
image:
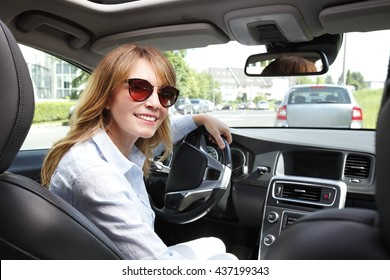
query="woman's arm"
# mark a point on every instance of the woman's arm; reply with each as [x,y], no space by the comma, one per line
[183,125]
[215,127]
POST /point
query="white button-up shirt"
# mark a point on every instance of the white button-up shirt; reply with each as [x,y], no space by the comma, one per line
[108,188]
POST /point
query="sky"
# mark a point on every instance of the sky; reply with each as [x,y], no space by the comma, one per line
[373,67]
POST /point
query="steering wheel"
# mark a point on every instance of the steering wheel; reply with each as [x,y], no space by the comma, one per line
[196,181]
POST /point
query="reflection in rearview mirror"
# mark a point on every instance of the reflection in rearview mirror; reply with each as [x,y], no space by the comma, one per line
[300,63]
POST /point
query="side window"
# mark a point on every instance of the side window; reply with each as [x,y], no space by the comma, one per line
[57,85]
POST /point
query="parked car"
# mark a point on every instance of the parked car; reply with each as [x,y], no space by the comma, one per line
[322,105]
[227,107]
[210,106]
[279,175]
[241,106]
[218,107]
[262,105]
[184,106]
[199,106]
[250,105]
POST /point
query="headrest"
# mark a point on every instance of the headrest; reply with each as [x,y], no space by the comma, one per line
[16,98]
[383,161]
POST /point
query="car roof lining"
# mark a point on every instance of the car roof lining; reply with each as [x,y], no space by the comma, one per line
[81,26]
[195,34]
[245,25]
[360,17]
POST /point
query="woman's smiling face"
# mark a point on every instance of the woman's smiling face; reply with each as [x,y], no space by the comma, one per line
[132,119]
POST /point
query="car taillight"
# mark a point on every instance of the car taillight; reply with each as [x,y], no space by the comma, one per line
[357,114]
[282,113]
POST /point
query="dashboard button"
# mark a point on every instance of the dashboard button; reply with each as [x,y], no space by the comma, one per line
[272,217]
[269,239]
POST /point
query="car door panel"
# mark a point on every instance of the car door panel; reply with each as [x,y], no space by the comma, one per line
[29,163]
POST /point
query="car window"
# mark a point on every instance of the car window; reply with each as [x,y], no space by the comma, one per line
[57,85]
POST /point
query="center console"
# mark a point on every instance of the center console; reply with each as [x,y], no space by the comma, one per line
[291,197]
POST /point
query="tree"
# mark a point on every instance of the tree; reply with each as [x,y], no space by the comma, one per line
[303,80]
[190,83]
[205,85]
[244,97]
[355,79]
[181,68]
[328,79]
[77,83]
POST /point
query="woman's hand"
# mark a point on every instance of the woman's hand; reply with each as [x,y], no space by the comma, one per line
[215,127]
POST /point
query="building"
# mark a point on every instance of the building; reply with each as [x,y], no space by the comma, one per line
[52,78]
[235,84]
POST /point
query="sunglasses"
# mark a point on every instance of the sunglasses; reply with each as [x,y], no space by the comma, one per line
[140,90]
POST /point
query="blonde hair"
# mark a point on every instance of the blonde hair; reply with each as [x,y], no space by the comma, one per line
[90,114]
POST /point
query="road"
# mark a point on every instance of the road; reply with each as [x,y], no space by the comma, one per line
[43,136]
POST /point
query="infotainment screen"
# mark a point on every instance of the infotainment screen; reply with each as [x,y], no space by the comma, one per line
[326,165]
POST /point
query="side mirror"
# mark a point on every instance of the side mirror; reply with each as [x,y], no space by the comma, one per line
[293,63]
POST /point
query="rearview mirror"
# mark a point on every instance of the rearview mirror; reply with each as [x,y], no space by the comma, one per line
[294,63]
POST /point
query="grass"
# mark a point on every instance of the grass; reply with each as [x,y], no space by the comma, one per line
[369,100]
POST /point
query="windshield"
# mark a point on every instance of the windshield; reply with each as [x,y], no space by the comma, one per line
[216,74]
[211,80]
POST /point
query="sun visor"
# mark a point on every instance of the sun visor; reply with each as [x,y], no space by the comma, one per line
[172,37]
[356,17]
[268,24]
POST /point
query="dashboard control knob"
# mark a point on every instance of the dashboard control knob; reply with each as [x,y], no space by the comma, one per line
[272,217]
[269,239]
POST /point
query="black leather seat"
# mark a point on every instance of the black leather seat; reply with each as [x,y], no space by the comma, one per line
[347,233]
[35,224]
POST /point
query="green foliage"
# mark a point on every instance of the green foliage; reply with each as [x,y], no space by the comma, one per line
[258,98]
[78,82]
[304,80]
[355,79]
[328,79]
[369,100]
[190,83]
[52,111]
[217,98]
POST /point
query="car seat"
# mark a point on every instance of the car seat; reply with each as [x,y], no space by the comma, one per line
[349,233]
[35,224]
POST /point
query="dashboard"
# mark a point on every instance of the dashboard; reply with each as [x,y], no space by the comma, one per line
[291,172]
[324,154]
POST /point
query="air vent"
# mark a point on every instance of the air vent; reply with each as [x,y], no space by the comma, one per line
[301,192]
[357,167]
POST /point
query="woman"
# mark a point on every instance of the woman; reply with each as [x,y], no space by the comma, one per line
[121,117]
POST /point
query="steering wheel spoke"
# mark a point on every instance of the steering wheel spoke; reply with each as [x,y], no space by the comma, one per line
[182,200]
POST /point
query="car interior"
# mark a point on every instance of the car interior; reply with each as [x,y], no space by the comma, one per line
[274,194]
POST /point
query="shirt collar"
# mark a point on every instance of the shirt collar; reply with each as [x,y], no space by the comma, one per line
[114,156]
